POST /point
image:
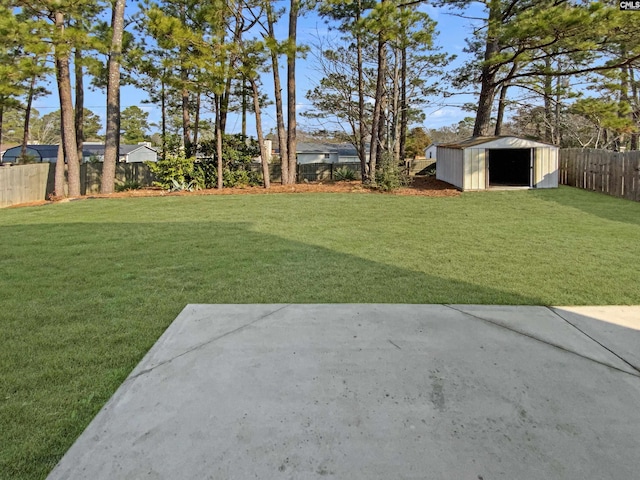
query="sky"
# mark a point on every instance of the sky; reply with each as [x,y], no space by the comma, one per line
[451,38]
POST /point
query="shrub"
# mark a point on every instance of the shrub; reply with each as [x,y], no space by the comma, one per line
[128,185]
[182,187]
[390,175]
[343,174]
[172,167]
[205,175]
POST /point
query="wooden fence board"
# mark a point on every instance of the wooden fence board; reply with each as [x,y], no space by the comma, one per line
[613,173]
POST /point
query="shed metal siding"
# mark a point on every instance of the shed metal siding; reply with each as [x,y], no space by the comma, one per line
[546,167]
[450,166]
[475,167]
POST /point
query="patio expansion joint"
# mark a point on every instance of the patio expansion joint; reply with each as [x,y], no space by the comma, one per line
[594,340]
[204,344]
[554,345]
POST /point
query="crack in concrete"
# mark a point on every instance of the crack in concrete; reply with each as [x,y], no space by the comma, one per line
[203,344]
[592,338]
[555,345]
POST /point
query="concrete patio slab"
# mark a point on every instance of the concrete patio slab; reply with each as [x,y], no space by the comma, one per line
[616,327]
[547,325]
[367,392]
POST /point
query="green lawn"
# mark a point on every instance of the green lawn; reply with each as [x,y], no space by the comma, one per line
[88,286]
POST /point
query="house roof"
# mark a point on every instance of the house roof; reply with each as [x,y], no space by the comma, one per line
[45,151]
[51,151]
[516,142]
[342,149]
[310,147]
[98,149]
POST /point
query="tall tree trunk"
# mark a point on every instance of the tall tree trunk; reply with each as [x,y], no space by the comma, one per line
[362,134]
[237,40]
[635,104]
[243,92]
[186,119]
[196,125]
[27,117]
[184,78]
[393,140]
[264,155]
[66,110]
[291,91]
[376,121]
[79,113]
[1,125]
[501,107]
[277,90]
[623,103]
[224,104]
[217,101]
[163,106]
[112,137]
[557,131]
[404,107]
[482,125]
[58,186]
[548,91]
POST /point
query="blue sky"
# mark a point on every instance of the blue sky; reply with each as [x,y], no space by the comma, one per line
[452,33]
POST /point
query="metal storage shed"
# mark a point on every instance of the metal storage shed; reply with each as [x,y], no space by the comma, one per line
[480,163]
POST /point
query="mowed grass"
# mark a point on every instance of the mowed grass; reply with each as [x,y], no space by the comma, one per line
[87,287]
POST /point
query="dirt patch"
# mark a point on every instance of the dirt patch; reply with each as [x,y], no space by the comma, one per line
[421,186]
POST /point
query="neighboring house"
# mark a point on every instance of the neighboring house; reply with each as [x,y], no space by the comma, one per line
[430,152]
[316,153]
[128,153]
[479,163]
[90,153]
[327,153]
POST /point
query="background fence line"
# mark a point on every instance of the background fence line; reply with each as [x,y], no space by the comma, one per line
[613,173]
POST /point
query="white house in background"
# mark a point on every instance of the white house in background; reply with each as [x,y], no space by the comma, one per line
[128,153]
[327,153]
[430,152]
[90,153]
[479,163]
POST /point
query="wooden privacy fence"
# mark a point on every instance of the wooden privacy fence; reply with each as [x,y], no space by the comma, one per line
[311,172]
[24,183]
[613,173]
[34,182]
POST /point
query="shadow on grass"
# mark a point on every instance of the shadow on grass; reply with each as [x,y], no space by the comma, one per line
[83,302]
[594,203]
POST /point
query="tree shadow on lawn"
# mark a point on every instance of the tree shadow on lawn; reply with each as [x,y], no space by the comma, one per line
[83,302]
[594,203]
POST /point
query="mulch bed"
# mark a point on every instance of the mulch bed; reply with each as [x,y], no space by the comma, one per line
[421,186]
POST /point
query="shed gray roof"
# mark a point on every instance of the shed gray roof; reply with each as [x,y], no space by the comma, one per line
[474,141]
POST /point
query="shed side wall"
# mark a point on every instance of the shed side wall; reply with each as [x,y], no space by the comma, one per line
[449,166]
